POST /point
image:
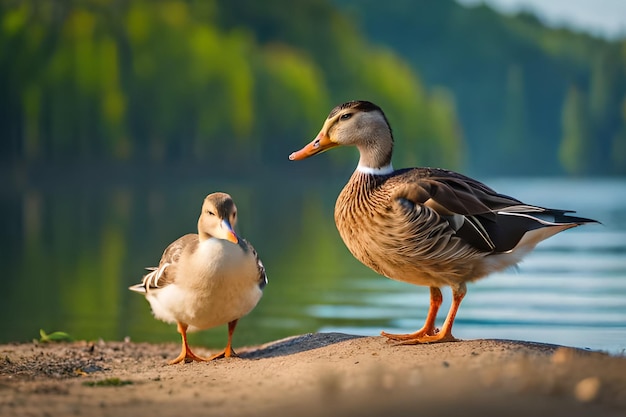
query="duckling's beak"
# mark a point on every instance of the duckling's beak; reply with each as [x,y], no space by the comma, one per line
[229,232]
[320,144]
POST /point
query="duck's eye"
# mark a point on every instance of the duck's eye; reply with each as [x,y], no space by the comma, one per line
[210,213]
[345,116]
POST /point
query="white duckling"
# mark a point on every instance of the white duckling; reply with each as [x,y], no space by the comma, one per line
[207,279]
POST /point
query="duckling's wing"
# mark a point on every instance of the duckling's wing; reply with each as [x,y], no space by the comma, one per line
[262,276]
[165,273]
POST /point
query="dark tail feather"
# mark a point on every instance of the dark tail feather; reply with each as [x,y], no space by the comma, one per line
[509,227]
[562,216]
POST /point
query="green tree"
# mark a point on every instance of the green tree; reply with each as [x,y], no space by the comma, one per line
[286,76]
[509,149]
[575,142]
[618,146]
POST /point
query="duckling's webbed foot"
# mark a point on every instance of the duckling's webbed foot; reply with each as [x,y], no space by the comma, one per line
[186,355]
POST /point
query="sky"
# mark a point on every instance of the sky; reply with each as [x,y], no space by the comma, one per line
[606,18]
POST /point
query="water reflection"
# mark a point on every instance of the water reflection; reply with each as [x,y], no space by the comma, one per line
[73,251]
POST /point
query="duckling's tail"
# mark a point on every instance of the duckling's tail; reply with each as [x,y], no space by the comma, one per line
[140,288]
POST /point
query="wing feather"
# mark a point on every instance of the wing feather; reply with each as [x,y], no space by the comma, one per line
[165,273]
[485,219]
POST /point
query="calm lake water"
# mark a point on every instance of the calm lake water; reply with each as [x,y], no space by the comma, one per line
[71,253]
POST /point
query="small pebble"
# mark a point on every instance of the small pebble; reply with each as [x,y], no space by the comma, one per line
[587,390]
[387,381]
[415,377]
[563,355]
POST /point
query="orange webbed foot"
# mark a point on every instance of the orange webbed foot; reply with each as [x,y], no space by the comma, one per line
[437,338]
[186,356]
[409,336]
[226,353]
[428,333]
[429,329]
[419,337]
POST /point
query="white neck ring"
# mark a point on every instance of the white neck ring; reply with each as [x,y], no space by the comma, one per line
[385,170]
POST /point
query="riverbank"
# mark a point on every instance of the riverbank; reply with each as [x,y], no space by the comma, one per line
[316,374]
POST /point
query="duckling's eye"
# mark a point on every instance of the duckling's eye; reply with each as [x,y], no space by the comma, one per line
[345,116]
[210,213]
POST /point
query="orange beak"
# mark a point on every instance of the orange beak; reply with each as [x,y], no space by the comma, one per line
[229,232]
[320,144]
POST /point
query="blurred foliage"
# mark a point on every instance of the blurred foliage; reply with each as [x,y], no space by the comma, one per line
[233,84]
[514,82]
[576,145]
[242,83]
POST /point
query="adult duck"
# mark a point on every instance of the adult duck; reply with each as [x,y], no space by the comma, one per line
[207,279]
[425,226]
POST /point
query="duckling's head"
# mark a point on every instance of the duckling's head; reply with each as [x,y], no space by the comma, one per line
[218,218]
[355,123]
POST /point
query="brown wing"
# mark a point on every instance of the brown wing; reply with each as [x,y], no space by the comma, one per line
[485,219]
[450,192]
[165,273]
[262,276]
[172,253]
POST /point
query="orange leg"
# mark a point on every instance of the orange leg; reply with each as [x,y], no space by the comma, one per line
[429,325]
[445,335]
[228,351]
[186,355]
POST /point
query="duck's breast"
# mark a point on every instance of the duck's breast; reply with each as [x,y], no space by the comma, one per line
[401,240]
[218,283]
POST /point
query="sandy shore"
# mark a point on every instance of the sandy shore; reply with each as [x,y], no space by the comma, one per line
[310,375]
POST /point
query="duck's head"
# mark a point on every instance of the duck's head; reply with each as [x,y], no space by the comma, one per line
[355,123]
[218,218]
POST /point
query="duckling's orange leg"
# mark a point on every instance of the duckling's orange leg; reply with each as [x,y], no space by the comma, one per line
[445,334]
[186,355]
[429,325]
[228,351]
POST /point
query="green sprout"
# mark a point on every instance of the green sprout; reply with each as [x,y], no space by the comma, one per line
[54,337]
